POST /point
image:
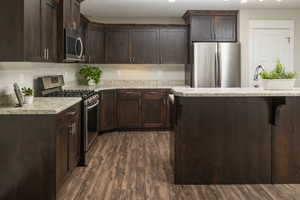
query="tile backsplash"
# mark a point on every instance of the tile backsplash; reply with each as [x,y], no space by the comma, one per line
[127,75]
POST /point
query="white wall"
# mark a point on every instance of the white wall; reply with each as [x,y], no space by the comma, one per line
[24,72]
[267,14]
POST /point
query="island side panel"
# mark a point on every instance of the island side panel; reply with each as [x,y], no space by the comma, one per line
[286,143]
[27,157]
[223,140]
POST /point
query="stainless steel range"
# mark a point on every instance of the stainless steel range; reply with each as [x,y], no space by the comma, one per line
[52,86]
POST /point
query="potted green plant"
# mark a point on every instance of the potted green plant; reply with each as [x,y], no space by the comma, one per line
[278,78]
[28,95]
[91,74]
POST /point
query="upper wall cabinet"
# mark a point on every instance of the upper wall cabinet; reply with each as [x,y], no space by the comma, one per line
[117,43]
[29,30]
[146,44]
[95,43]
[68,18]
[173,45]
[212,26]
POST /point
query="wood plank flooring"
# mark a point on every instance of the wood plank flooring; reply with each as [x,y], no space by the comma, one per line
[136,166]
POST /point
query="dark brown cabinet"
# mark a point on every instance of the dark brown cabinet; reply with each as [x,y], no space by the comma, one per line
[222,141]
[68,137]
[225,28]
[49,30]
[143,109]
[202,28]
[154,109]
[117,42]
[75,14]
[173,45]
[212,26]
[108,110]
[129,109]
[95,52]
[132,44]
[68,18]
[145,46]
[30,33]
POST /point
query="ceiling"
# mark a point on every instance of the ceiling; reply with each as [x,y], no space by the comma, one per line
[162,8]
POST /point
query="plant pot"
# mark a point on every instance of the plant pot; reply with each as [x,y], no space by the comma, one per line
[278,84]
[28,100]
[91,83]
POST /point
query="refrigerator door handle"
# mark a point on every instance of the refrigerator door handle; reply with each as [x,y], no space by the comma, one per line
[219,70]
[216,70]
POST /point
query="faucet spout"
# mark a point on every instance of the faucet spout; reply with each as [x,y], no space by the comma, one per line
[258,69]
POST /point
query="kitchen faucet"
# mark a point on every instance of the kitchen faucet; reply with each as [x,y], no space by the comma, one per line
[257,71]
[256,74]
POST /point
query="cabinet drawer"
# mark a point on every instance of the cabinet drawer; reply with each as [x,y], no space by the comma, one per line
[153,94]
[129,94]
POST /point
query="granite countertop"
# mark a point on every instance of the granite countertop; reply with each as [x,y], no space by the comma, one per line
[42,106]
[233,92]
[98,88]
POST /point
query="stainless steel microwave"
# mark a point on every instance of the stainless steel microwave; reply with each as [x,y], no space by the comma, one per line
[73,46]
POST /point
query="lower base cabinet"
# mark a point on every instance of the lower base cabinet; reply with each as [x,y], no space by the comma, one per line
[143,109]
[140,109]
[108,110]
[67,143]
[38,152]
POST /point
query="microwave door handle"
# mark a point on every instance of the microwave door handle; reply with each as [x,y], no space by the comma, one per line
[81,45]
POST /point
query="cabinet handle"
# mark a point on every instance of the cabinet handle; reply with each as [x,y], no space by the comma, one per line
[47,54]
[133,59]
[44,54]
[161,60]
[72,129]
[130,60]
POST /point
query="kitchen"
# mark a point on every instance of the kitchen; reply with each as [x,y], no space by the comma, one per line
[154,126]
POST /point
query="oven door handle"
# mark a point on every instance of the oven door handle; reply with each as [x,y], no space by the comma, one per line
[93,106]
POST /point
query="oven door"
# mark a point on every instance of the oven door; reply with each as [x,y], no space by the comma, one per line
[73,46]
[92,113]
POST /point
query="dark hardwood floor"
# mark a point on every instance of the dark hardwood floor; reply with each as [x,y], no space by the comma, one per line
[136,166]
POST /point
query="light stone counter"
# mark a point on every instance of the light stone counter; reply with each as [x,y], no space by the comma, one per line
[233,92]
[42,106]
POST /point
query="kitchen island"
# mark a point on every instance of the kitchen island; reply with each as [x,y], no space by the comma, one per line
[236,136]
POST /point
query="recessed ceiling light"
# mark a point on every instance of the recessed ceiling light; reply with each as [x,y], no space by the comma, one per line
[171,1]
[244,1]
[261,0]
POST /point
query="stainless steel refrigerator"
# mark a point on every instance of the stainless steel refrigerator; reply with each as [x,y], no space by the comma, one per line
[216,65]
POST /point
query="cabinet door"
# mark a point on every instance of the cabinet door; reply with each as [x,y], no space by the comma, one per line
[49,30]
[95,45]
[225,28]
[32,31]
[154,109]
[173,46]
[129,112]
[202,28]
[117,46]
[108,110]
[62,150]
[74,131]
[145,48]
[75,15]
